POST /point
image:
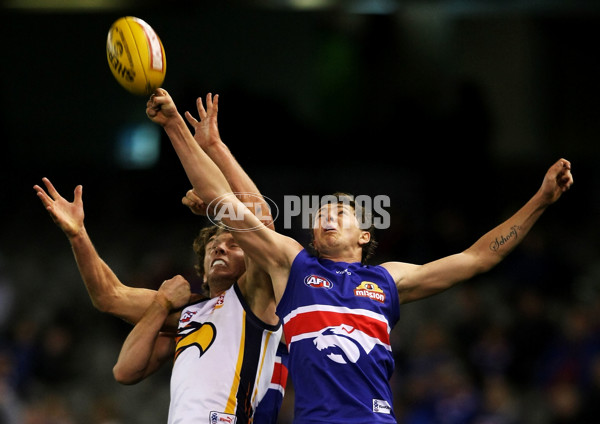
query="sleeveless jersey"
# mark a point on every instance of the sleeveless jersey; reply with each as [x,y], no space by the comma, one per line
[337,318]
[224,361]
[268,408]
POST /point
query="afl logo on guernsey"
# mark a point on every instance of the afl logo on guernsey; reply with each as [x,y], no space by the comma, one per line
[316,281]
[370,290]
[186,316]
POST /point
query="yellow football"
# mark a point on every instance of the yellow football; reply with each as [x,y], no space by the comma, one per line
[136,55]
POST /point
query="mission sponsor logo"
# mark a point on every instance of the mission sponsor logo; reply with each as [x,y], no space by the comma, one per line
[318,282]
[370,290]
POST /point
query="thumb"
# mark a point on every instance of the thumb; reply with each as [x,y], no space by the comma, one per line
[78,194]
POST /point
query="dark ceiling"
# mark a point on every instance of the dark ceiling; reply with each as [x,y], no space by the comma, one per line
[380,90]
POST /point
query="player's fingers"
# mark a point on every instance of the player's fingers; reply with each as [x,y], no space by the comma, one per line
[564,179]
[191,194]
[190,203]
[160,100]
[46,201]
[40,192]
[216,103]
[188,116]
[50,187]
[200,107]
[192,206]
[152,111]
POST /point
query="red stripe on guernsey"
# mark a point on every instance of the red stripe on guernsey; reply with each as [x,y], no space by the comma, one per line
[280,374]
[308,320]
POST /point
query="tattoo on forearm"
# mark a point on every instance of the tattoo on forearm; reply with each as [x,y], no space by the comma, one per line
[503,239]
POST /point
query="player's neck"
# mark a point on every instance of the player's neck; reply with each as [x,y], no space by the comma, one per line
[343,256]
[217,288]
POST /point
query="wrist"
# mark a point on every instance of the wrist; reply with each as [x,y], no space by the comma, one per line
[162,300]
[174,122]
[541,200]
[217,148]
[76,236]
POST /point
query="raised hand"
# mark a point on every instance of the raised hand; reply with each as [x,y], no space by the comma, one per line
[558,179]
[67,215]
[175,292]
[206,130]
[196,205]
[160,108]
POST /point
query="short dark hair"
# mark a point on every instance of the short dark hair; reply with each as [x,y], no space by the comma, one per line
[368,250]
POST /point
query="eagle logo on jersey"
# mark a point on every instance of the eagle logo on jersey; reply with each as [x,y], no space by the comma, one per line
[370,290]
[200,335]
[342,342]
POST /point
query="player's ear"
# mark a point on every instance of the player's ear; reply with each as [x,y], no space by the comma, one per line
[365,237]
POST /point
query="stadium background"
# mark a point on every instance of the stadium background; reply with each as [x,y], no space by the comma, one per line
[453,109]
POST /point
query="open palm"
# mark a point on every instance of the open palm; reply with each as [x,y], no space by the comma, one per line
[67,215]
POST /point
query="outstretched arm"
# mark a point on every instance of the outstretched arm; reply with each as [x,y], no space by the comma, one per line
[208,181]
[145,349]
[256,284]
[416,282]
[211,186]
[106,291]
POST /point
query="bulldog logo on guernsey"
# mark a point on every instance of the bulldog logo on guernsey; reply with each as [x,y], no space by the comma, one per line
[370,290]
[341,343]
[316,281]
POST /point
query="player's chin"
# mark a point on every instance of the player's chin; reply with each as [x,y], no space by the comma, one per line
[222,272]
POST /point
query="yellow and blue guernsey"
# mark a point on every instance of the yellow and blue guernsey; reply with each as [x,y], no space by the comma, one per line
[337,318]
[224,363]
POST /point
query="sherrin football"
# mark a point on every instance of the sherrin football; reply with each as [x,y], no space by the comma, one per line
[136,55]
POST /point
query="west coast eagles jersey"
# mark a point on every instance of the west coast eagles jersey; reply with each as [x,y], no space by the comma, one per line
[224,361]
[337,318]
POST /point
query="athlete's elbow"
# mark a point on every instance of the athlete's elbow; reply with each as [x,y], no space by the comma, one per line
[123,376]
[481,263]
[101,305]
[106,298]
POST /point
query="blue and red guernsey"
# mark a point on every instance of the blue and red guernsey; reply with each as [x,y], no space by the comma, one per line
[337,318]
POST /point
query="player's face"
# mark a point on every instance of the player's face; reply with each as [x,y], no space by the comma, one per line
[336,226]
[224,260]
